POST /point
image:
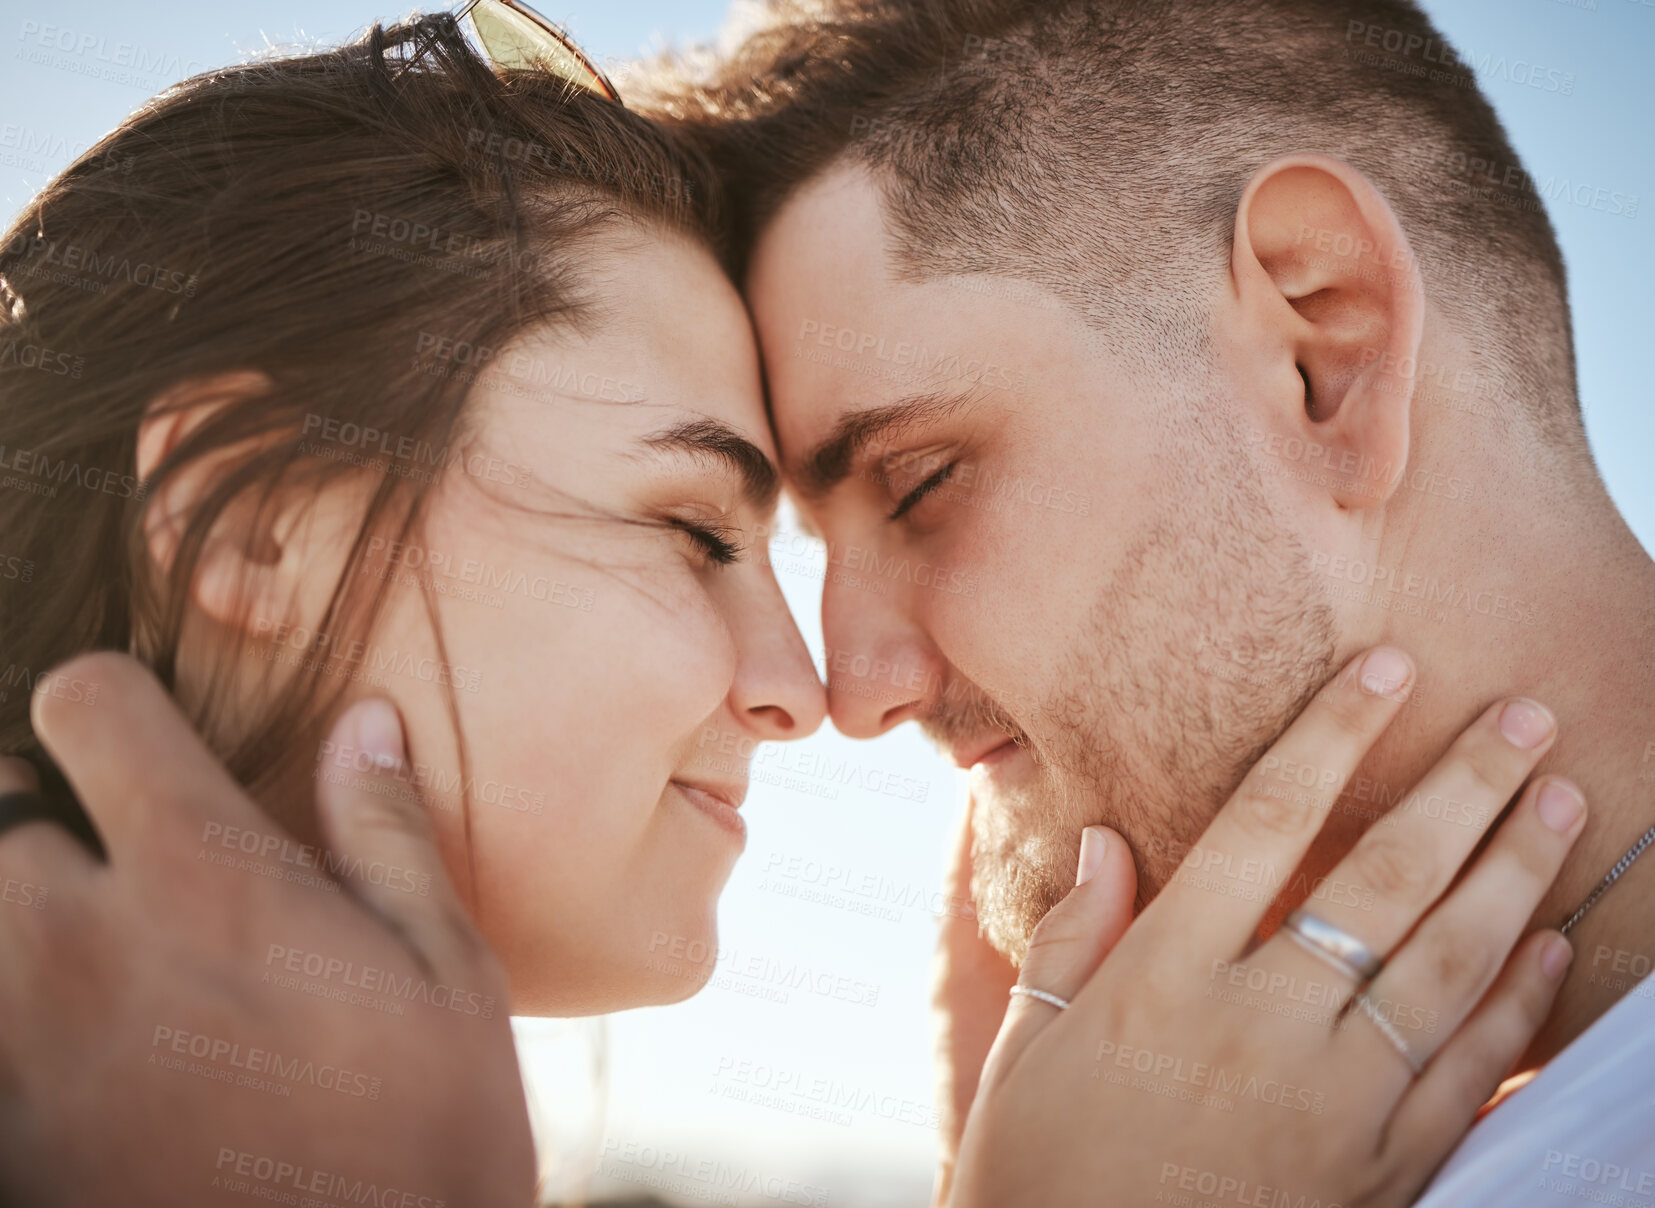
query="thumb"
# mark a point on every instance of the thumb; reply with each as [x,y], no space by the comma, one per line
[1070,942]
[382,845]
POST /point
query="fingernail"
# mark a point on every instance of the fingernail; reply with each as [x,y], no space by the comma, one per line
[378,732]
[1560,805]
[1094,841]
[1386,672]
[1526,723]
[1555,957]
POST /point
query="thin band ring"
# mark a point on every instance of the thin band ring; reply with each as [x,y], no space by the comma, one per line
[1030,992]
[25,805]
[22,806]
[1387,1029]
[1328,943]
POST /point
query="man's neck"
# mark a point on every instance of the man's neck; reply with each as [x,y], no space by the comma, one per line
[1558,606]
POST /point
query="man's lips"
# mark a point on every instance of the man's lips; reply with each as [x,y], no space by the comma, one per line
[971,754]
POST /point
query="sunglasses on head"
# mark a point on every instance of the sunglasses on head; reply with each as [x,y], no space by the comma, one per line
[516,38]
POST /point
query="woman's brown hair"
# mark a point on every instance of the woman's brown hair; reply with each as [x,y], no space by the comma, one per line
[332,223]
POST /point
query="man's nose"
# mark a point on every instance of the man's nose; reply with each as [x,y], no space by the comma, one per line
[882,668]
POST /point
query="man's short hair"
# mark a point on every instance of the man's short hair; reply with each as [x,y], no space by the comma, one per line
[1099,148]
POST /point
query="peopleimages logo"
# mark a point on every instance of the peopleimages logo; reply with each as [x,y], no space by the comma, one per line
[523,373]
[264,1178]
[37,356]
[51,683]
[1414,51]
[99,48]
[19,569]
[867,346]
[1488,179]
[754,974]
[282,850]
[67,262]
[1595,1171]
[843,885]
[424,565]
[368,979]
[813,1096]
[373,231]
[685,1175]
[314,647]
[1215,1188]
[1427,589]
[40,150]
[820,766]
[251,1066]
[404,455]
[1200,1083]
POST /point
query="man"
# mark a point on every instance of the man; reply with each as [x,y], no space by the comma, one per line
[1205,342]
[1215,344]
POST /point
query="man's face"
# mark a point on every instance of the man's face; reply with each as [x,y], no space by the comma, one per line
[1072,577]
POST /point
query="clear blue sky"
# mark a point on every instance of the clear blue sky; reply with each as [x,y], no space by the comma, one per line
[691,1078]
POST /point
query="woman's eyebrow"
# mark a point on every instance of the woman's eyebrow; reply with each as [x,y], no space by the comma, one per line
[735,454]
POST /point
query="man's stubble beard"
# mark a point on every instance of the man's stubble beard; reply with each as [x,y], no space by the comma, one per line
[1208,639]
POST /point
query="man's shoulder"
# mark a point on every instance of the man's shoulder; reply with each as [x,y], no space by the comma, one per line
[1580,1129]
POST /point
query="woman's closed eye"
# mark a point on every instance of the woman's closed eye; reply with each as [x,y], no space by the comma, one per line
[718,541]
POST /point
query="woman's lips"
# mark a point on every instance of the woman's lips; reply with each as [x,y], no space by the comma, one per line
[716,807]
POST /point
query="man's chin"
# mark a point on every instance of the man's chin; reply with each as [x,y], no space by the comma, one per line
[1009,933]
[1013,895]
[1011,902]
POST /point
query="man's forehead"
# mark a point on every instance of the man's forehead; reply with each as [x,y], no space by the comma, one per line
[834,223]
[819,270]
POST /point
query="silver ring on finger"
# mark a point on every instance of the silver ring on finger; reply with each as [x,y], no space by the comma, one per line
[1329,944]
[1388,1030]
[1062,1004]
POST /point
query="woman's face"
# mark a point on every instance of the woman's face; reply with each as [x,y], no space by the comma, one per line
[611,634]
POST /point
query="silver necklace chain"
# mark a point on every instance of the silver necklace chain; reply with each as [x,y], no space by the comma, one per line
[1636,850]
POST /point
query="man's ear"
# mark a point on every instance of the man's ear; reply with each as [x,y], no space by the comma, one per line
[1331,298]
[247,565]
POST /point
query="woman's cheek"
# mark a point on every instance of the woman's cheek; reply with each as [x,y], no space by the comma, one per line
[691,660]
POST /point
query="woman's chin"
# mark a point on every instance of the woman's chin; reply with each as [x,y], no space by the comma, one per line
[623,995]
[673,967]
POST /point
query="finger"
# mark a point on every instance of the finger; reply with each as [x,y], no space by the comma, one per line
[1279,809]
[1441,1104]
[1406,859]
[1435,979]
[144,775]
[381,842]
[1070,942]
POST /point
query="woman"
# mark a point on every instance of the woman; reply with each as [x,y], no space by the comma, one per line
[434,389]
[375,374]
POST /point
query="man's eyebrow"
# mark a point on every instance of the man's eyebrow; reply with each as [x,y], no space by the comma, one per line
[708,438]
[832,460]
